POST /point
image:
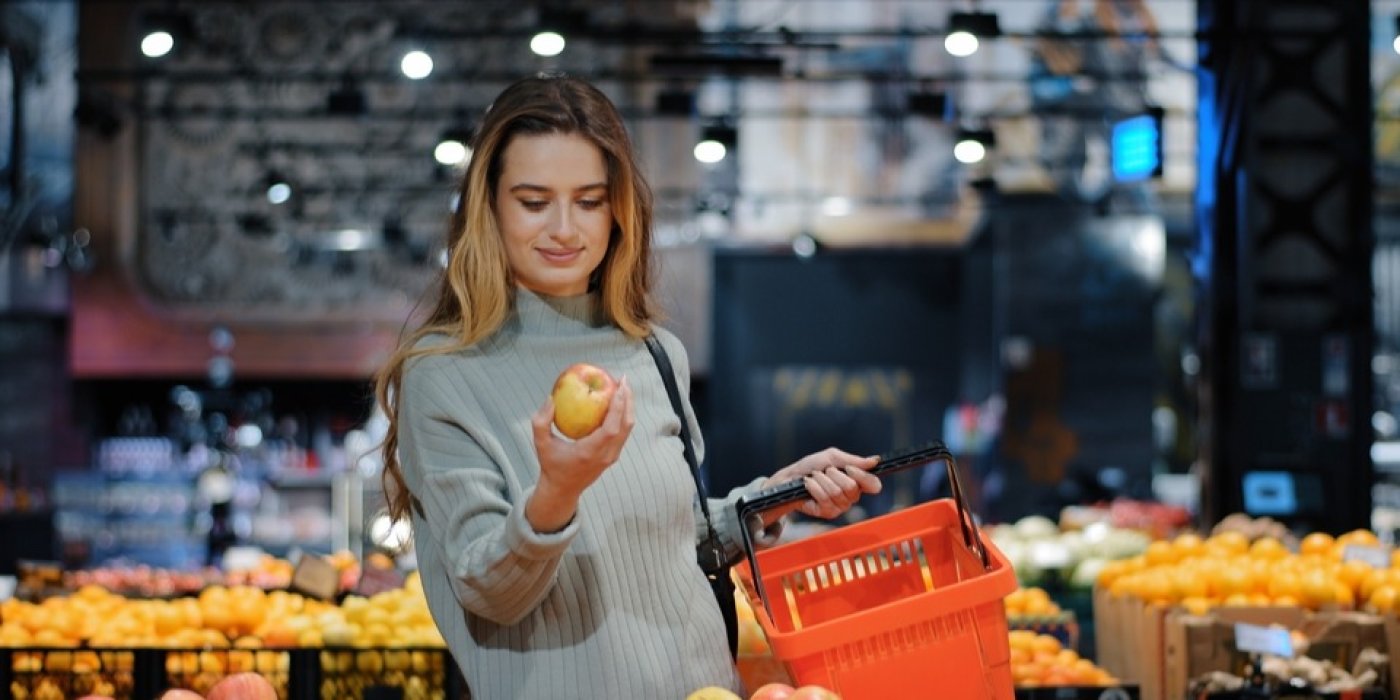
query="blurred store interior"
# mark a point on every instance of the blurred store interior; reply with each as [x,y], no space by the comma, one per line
[1058,249]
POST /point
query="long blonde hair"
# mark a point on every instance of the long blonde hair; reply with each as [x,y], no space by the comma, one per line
[477,289]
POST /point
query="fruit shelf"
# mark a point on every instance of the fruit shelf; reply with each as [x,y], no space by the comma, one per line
[297,674]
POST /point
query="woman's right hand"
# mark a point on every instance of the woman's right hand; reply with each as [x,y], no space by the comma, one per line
[567,467]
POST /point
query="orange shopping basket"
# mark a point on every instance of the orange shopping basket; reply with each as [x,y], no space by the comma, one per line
[904,605]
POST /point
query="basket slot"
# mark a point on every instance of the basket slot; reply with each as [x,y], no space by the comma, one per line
[825,592]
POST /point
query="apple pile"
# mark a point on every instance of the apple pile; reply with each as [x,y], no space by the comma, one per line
[770,691]
[581,396]
[239,686]
[268,573]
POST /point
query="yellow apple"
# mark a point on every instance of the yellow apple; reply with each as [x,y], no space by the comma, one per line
[581,397]
[713,692]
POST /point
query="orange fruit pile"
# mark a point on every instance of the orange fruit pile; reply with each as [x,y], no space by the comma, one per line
[1227,569]
[1040,660]
[1030,602]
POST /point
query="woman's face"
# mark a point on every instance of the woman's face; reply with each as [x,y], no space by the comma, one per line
[553,210]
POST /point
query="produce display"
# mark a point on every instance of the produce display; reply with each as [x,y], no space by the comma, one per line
[769,691]
[242,630]
[88,641]
[220,617]
[1156,520]
[1323,676]
[269,573]
[1228,569]
[1040,660]
[1256,528]
[1040,551]
[1030,602]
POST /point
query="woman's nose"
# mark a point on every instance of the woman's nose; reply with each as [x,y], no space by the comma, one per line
[559,224]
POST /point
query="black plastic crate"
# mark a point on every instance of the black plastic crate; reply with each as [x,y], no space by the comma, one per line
[1078,692]
[408,673]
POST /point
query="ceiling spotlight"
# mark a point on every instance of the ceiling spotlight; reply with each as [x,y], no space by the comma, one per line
[961,44]
[454,148]
[547,44]
[556,22]
[416,65]
[715,143]
[965,29]
[157,43]
[162,30]
[804,246]
[972,145]
[279,190]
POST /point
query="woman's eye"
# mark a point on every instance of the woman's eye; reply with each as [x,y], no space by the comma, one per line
[534,205]
[590,203]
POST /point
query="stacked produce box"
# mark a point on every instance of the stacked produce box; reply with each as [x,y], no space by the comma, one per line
[1248,608]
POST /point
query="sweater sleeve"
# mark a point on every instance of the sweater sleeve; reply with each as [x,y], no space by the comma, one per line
[501,569]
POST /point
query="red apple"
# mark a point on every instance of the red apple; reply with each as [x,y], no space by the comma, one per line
[181,694]
[813,692]
[243,686]
[773,691]
[581,397]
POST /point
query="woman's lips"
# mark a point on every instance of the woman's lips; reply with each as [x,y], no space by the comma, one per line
[560,256]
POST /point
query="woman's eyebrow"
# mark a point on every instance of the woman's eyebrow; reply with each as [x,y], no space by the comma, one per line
[541,188]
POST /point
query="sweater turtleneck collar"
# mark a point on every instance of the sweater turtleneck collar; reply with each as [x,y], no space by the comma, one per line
[538,313]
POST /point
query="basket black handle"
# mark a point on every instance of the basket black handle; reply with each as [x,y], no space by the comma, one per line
[752,506]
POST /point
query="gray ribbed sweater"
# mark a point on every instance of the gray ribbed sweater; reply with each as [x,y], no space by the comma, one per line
[614,605]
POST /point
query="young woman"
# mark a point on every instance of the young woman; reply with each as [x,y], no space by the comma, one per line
[558,568]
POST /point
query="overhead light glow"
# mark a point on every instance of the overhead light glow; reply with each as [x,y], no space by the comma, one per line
[836,206]
[157,44]
[350,239]
[710,151]
[961,44]
[416,65]
[279,192]
[547,44]
[804,246]
[968,151]
[450,152]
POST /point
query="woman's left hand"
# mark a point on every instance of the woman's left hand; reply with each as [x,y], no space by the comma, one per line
[835,480]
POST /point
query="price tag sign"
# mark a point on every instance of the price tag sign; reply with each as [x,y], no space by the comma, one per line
[1253,639]
[315,577]
[1377,557]
[376,580]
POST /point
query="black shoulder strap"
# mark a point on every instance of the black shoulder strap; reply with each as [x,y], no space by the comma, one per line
[668,375]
